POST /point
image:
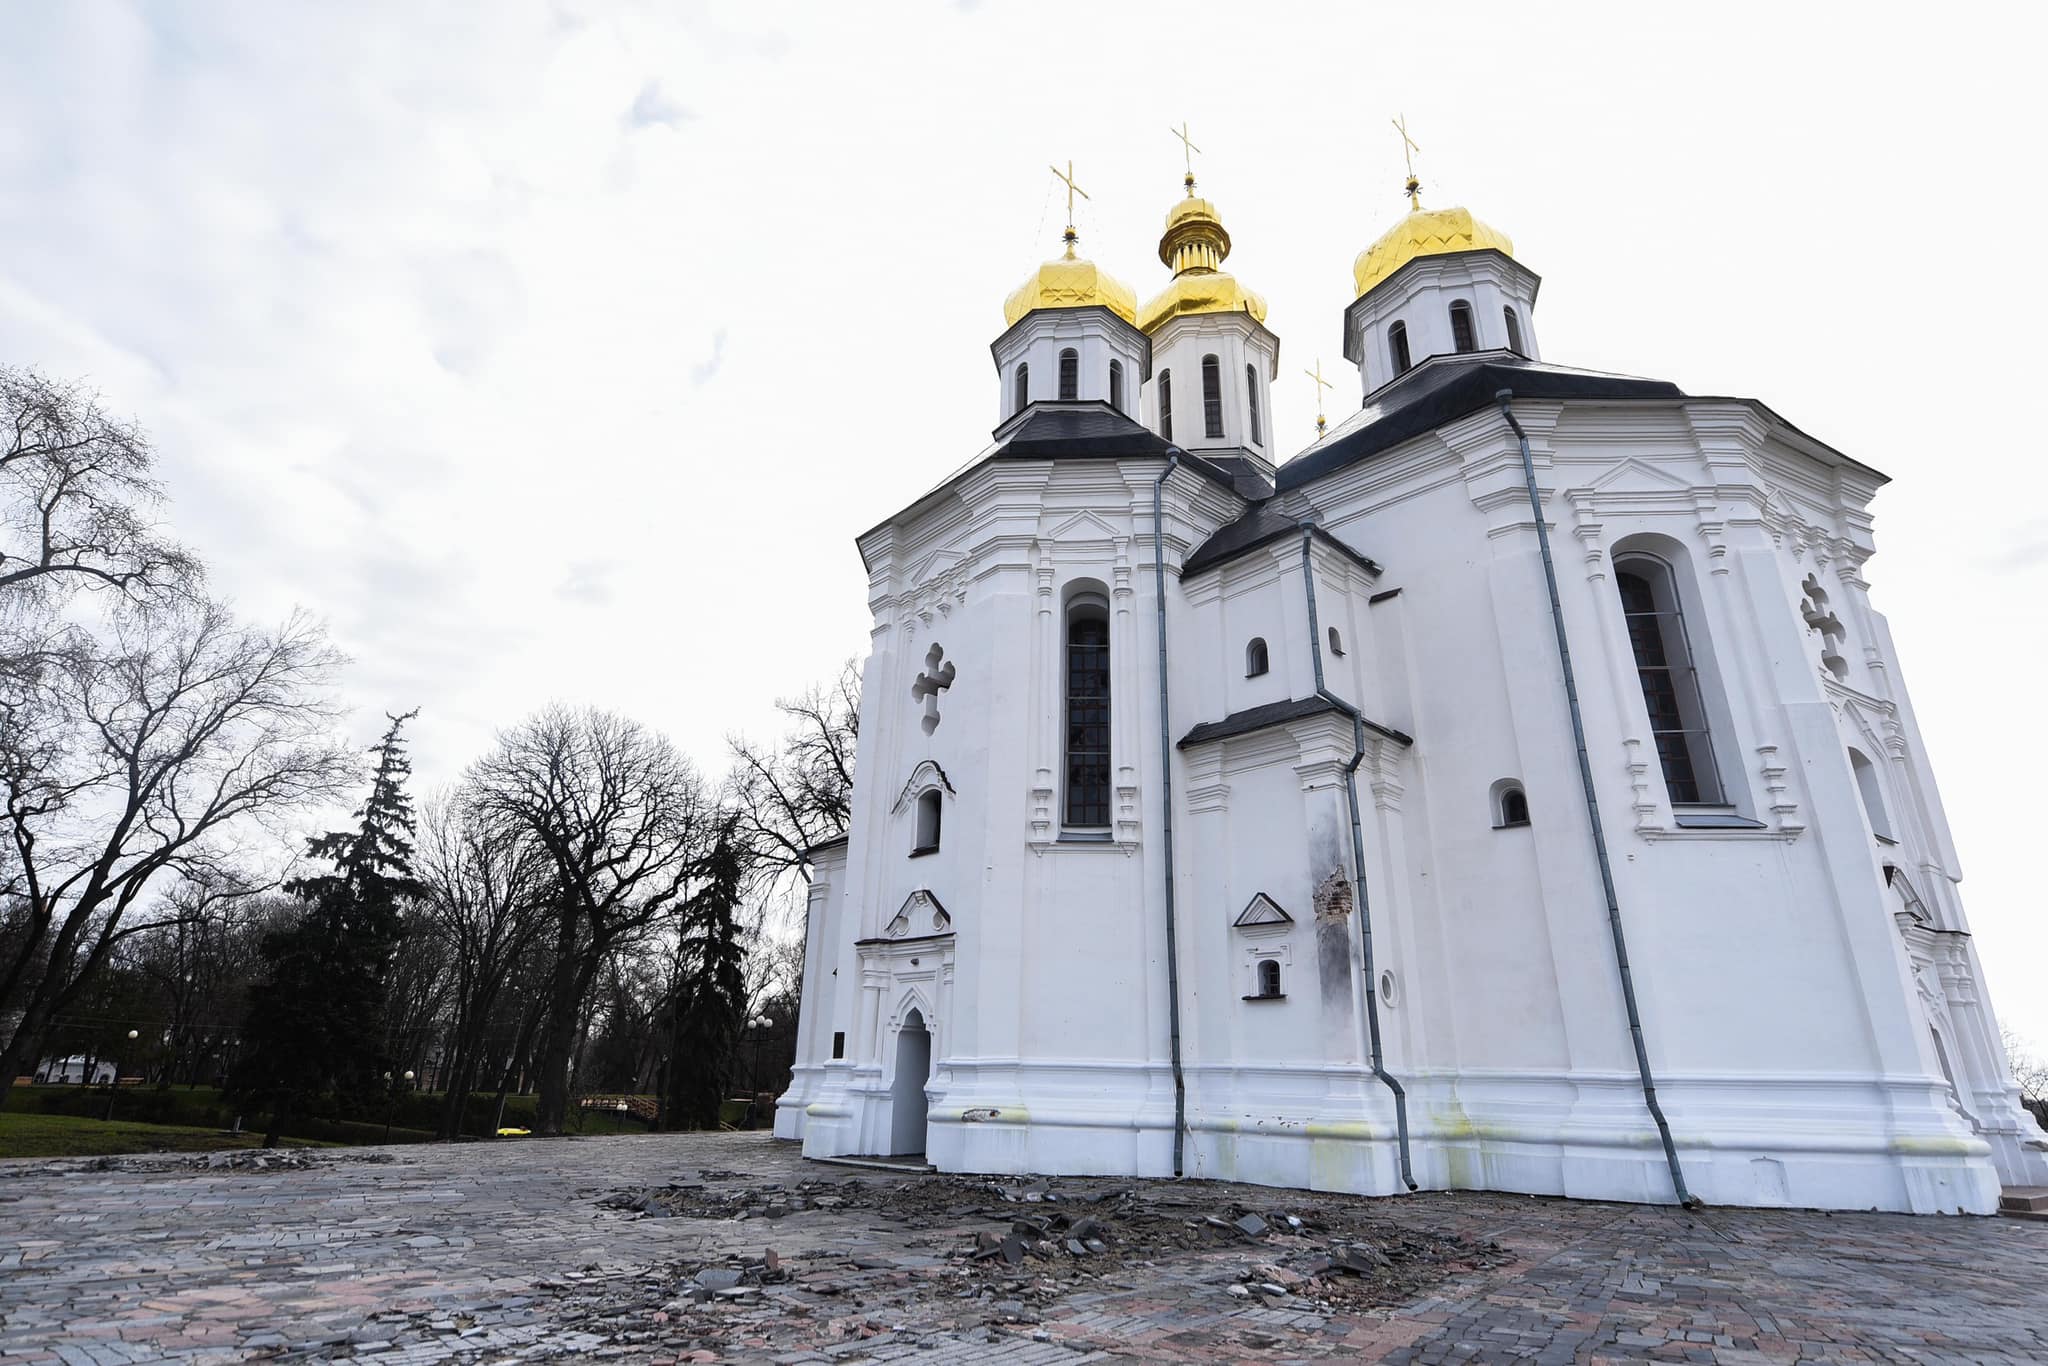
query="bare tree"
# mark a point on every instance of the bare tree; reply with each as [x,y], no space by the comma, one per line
[76,490]
[620,816]
[144,754]
[486,901]
[2028,1071]
[799,793]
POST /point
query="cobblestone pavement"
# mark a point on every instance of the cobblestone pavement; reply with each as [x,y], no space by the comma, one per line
[506,1252]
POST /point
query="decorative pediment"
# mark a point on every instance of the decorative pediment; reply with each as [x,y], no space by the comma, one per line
[1083,526]
[1637,474]
[921,914]
[1263,916]
[925,776]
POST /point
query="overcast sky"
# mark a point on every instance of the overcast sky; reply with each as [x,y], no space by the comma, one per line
[559,351]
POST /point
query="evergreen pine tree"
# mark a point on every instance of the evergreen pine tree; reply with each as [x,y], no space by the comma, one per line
[710,990]
[315,1025]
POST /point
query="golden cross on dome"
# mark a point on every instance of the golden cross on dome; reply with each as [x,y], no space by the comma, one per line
[1322,423]
[1187,152]
[1067,177]
[1408,151]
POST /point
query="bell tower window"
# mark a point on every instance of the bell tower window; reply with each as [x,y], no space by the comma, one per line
[1166,404]
[1070,375]
[1116,385]
[1461,328]
[1251,389]
[1397,347]
[1212,398]
[1023,386]
[1087,735]
[1514,331]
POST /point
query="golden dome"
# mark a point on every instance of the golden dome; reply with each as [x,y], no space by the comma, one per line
[1425,232]
[1195,245]
[1071,282]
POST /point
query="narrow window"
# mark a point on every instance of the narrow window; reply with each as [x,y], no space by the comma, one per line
[1269,977]
[1336,643]
[1512,808]
[1251,389]
[1514,331]
[927,823]
[1070,375]
[1087,804]
[1255,657]
[838,1043]
[1461,328]
[1397,347]
[1212,398]
[1873,795]
[1023,387]
[1116,385]
[1166,404]
[1670,680]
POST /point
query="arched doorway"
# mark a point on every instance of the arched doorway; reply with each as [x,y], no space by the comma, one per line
[906,1093]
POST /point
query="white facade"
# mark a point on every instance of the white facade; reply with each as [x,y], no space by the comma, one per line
[1810,998]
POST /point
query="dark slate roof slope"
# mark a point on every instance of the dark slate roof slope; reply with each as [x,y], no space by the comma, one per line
[1092,430]
[1272,714]
[1261,525]
[1445,390]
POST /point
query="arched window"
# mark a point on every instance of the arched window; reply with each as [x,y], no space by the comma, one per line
[1251,389]
[1166,404]
[1510,805]
[1023,387]
[1070,374]
[1670,679]
[1873,795]
[1087,802]
[1116,385]
[1212,398]
[1255,657]
[1397,347]
[928,816]
[1269,977]
[1336,643]
[1514,331]
[1461,328]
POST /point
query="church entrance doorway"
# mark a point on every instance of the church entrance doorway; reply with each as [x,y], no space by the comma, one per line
[907,1099]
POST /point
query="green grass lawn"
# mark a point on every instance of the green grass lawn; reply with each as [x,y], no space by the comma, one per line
[73,1136]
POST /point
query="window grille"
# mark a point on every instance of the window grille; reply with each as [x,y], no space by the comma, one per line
[1212,398]
[1087,803]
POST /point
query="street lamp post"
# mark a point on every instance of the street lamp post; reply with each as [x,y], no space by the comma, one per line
[114,1082]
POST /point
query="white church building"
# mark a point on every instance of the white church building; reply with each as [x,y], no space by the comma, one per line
[1514,790]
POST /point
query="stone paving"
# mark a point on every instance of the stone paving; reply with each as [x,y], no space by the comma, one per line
[506,1252]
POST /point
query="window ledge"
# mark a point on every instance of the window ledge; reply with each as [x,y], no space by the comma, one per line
[1512,825]
[1712,818]
[1084,837]
[924,849]
[1276,996]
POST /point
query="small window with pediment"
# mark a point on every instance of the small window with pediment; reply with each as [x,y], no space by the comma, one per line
[1255,662]
[1269,977]
[929,815]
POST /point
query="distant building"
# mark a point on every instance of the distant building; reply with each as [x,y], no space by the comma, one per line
[71,1071]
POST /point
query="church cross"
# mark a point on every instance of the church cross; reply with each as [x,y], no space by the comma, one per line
[1408,151]
[929,684]
[1067,176]
[1187,151]
[1322,423]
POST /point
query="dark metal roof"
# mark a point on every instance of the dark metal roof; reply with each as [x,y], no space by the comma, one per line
[1272,714]
[1261,526]
[1090,430]
[1445,389]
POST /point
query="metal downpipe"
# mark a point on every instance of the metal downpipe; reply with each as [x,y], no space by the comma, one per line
[1372,1005]
[1505,398]
[1180,1094]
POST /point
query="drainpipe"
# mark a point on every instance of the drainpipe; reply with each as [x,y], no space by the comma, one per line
[1372,1004]
[1180,1093]
[1571,695]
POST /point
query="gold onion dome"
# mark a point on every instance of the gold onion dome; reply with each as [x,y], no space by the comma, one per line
[1195,245]
[1071,282]
[1425,232]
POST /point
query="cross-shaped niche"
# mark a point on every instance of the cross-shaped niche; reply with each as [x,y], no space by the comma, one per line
[936,678]
[1819,618]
